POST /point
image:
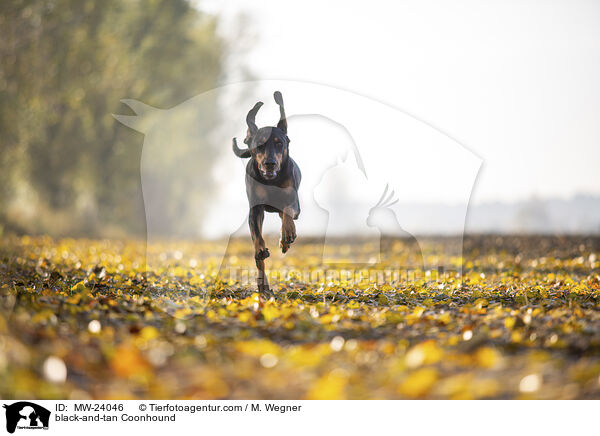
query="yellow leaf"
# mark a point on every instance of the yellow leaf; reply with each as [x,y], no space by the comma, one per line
[419,383]
[245,316]
[329,387]
[78,287]
[481,302]
[487,357]
[148,333]
[270,312]
[127,361]
[424,353]
[445,318]
[258,347]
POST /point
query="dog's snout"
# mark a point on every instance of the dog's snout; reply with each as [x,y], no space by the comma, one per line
[270,163]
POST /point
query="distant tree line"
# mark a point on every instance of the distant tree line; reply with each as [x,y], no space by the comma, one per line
[66,166]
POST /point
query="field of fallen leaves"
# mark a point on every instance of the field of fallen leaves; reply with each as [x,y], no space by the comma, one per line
[83,319]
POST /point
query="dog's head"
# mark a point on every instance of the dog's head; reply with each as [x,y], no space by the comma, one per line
[268,146]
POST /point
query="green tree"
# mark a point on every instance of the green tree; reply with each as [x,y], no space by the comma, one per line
[66,166]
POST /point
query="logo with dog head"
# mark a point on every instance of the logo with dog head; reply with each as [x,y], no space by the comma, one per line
[26,415]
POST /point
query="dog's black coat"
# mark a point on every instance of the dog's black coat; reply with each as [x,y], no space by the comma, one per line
[272,183]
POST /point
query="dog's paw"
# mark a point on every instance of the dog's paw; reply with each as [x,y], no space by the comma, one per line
[262,254]
[265,291]
[288,236]
[284,246]
[285,242]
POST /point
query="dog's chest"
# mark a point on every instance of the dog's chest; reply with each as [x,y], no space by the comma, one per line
[277,196]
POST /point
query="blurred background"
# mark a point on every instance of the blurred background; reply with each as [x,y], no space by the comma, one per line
[66,166]
[514,82]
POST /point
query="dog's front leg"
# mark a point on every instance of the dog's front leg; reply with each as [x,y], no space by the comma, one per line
[261,252]
[256,218]
[288,229]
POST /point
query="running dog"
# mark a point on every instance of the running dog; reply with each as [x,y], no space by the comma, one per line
[272,182]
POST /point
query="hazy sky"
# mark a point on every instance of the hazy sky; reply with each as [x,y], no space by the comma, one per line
[516,82]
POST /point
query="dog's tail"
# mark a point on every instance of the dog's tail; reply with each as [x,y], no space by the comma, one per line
[238,151]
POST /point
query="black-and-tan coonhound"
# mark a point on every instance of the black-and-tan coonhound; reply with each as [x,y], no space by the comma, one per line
[272,182]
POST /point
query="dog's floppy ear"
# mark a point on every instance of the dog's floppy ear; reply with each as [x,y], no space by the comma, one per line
[250,120]
[243,153]
[282,124]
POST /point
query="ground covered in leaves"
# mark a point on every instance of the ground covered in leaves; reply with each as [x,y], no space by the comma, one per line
[84,319]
